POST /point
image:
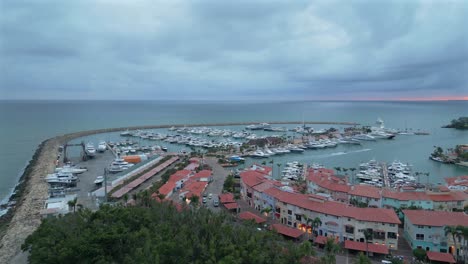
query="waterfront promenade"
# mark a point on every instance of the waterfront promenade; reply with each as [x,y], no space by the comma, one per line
[33,190]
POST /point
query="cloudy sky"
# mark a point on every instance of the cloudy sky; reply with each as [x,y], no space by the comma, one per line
[316,50]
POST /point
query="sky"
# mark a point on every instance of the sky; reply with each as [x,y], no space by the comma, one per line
[287,50]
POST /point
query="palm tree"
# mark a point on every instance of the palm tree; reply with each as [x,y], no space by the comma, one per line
[316,223]
[194,200]
[125,197]
[337,168]
[453,231]
[331,248]
[463,232]
[352,173]
[309,222]
[368,235]
[266,210]
[72,203]
[362,259]
[263,163]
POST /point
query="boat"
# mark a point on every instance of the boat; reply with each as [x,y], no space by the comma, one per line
[90,150]
[295,149]
[259,154]
[99,180]
[365,137]
[60,178]
[70,169]
[236,158]
[126,133]
[102,146]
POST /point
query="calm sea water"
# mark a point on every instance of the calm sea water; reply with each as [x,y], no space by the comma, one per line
[24,124]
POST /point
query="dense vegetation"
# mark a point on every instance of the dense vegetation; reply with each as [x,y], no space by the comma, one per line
[460,123]
[157,234]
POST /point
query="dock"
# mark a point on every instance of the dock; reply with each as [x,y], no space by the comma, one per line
[386,181]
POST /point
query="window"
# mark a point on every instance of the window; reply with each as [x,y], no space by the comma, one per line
[289,212]
[419,236]
[420,226]
[349,229]
[298,217]
[392,225]
[289,223]
[391,235]
[278,210]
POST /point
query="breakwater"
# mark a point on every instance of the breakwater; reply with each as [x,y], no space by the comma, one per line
[31,193]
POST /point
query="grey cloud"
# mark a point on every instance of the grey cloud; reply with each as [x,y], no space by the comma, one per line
[218,49]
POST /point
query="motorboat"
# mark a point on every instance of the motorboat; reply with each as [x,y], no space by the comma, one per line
[365,137]
[70,169]
[60,178]
[102,146]
[90,150]
[99,180]
[259,154]
[294,148]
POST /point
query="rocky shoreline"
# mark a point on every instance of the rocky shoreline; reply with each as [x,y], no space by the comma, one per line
[31,192]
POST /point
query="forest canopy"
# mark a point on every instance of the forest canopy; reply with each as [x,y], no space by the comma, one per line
[157,234]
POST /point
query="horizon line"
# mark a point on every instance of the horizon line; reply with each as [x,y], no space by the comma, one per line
[443,99]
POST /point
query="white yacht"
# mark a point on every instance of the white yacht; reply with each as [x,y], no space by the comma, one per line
[70,169]
[102,146]
[259,154]
[99,180]
[90,150]
[365,137]
[61,178]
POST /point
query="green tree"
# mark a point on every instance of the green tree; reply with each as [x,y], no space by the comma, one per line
[195,200]
[72,204]
[368,235]
[362,259]
[331,248]
[452,230]
[419,254]
[156,234]
[316,223]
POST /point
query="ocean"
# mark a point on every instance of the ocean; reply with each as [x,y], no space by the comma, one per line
[24,124]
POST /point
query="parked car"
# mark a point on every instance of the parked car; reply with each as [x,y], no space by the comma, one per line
[215,202]
[210,196]
[204,199]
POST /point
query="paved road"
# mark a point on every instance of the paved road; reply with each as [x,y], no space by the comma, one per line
[86,184]
[216,186]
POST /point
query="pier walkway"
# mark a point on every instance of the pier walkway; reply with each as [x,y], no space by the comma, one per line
[386,181]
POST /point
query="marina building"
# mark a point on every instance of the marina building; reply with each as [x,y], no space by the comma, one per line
[426,229]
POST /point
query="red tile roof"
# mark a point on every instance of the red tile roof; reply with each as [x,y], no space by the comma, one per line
[326,180]
[287,231]
[167,188]
[361,246]
[226,198]
[436,218]
[447,197]
[323,239]
[365,191]
[460,180]
[202,174]
[405,196]
[380,215]
[193,188]
[441,257]
[265,170]
[251,178]
[246,215]
[231,206]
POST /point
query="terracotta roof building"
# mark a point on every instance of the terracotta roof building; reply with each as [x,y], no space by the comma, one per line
[425,229]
